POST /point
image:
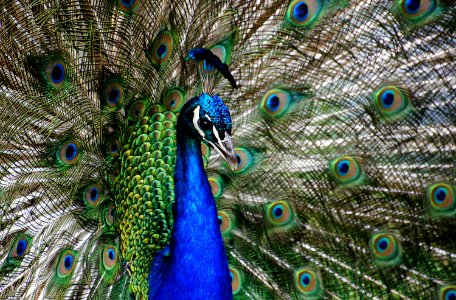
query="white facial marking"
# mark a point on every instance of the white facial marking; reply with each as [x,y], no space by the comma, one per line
[196,114]
[216,134]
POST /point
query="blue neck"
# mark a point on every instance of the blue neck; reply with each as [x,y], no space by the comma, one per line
[197,267]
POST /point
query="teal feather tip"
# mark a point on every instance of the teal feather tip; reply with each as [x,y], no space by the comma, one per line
[440,199]
[308,282]
[385,248]
[346,170]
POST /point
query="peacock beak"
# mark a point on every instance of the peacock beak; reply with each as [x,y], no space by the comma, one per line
[226,150]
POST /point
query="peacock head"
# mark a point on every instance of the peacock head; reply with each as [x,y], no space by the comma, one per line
[208,119]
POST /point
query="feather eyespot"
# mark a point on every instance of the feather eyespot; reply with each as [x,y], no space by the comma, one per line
[113,147]
[67,263]
[346,170]
[216,186]
[205,150]
[110,256]
[174,99]
[392,102]
[113,94]
[236,280]
[220,52]
[448,292]
[245,160]
[127,5]
[137,110]
[385,248]
[308,282]
[275,103]
[69,153]
[441,199]
[56,73]
[279,213]
[108,216]
[303,13]
[225,221]
[161,48]
[20,247]
[417,8]
[93,195]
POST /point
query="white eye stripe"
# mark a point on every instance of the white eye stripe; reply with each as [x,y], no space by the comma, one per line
[216,134]
[195,121]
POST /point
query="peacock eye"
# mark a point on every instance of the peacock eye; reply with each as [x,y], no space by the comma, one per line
[205,124]
[448,292]
[417,8]
[236,280]
[308,282]
[385,248]
[225,221]
[56,73]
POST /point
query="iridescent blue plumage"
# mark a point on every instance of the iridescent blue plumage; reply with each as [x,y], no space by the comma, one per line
[196,266]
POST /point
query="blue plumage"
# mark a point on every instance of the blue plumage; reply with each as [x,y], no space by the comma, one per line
[197,267]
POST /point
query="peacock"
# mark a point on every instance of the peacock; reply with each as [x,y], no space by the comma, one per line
[193,149]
